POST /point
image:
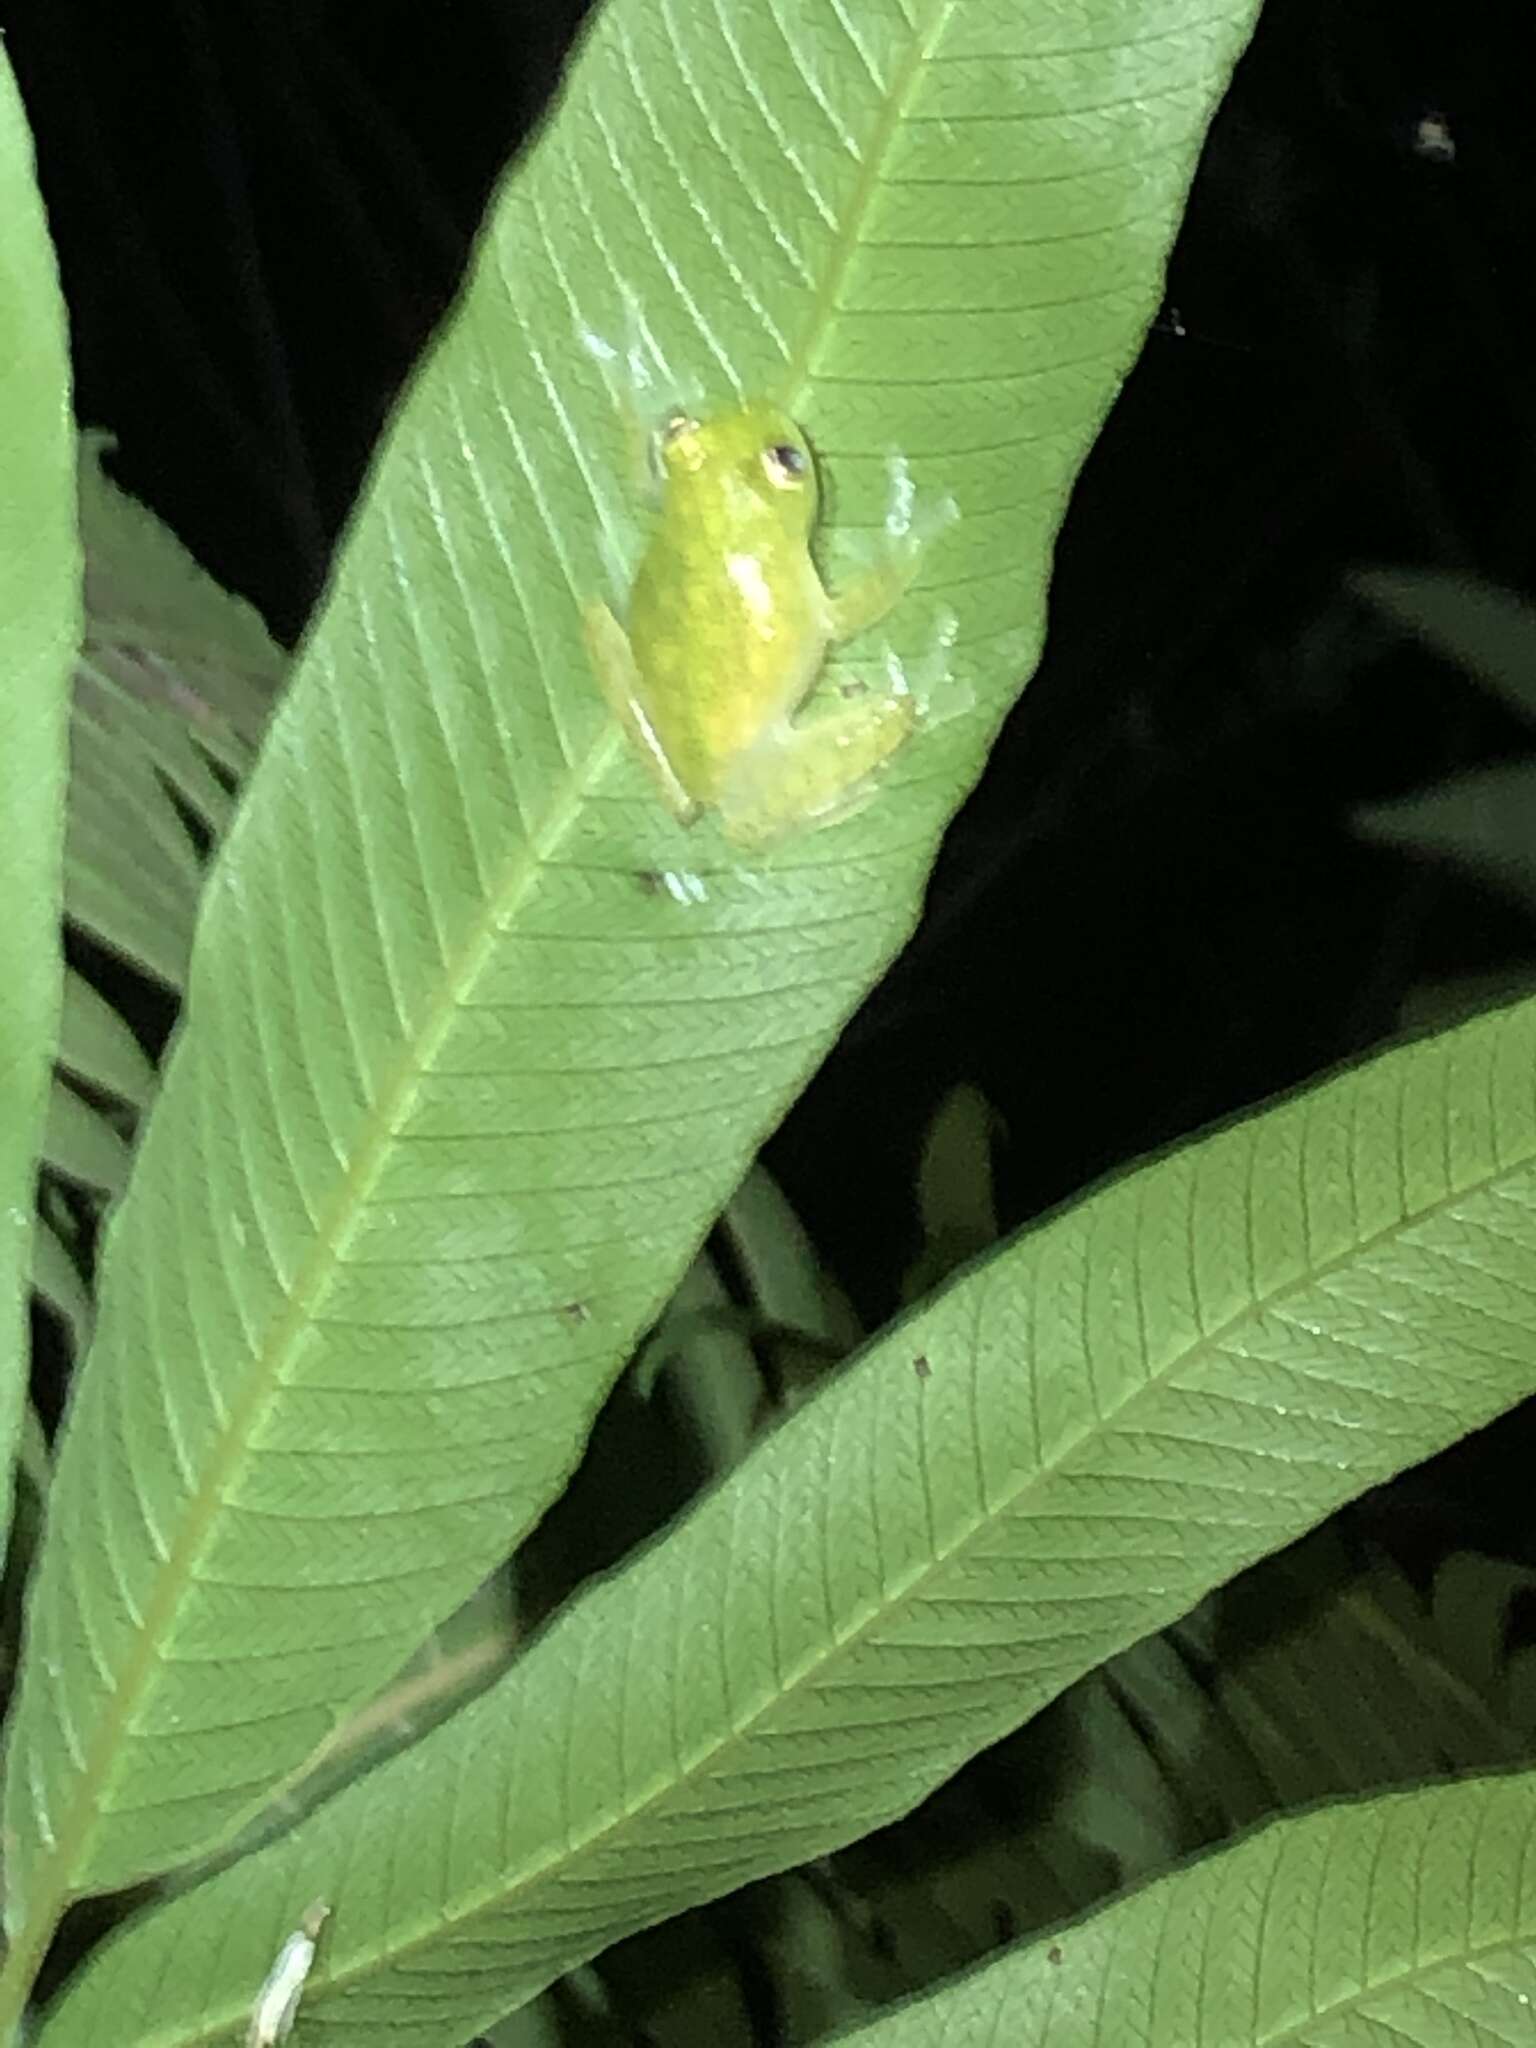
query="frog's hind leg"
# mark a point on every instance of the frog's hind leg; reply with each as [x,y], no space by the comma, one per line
[814,774]
[613,663]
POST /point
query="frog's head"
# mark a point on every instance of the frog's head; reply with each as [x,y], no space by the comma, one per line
[752,447]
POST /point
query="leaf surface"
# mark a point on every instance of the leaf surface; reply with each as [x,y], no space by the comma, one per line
[39,631]
[96,1044]
[56,1279]
[1405,1922]
[175,674]
[1488,632]
[1483,818]
[80,1144]
[1124,1408]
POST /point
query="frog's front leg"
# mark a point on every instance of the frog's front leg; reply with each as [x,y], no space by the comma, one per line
[613,663]
[866,598]
[799,776]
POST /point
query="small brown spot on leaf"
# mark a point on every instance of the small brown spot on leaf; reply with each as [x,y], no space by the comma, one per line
[921,1366]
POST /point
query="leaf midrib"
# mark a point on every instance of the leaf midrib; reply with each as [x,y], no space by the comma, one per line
[796,372]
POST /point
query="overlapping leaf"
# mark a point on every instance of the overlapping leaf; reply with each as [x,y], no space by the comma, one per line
[1120,1411]
[462,1080]
[97,1046]
[102,1080]
[175,675]
[39,624]
[1408,1922]
[1317,1675]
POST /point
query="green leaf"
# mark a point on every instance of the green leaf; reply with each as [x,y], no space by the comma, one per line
[175,674]
[1489,632]
[1269,1696]
[133,873]
[954,1189]
[1307,1662]
[1472,1605]
[82,1141]
[159,627]
[789,1286]
[1486,818]
[56,1278]
[96,1044]
[79,1143]
[703,1347]
[473,1647]
[1432,1005]
[464,1080]
[32,1457]
[1407,1922]
[39,631]
[1123,1408]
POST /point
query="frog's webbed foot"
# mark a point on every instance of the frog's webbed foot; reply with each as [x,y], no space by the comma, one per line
[910,529]
[928,677]
[613,663]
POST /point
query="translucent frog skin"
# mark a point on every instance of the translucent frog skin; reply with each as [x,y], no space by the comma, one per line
[729,627]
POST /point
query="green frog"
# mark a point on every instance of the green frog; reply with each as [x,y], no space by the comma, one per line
[729,626]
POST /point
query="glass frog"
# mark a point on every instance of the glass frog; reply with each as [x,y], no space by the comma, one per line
[729,627]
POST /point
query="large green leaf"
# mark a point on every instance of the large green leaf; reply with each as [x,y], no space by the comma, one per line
[39,631]
[461,1085]
[1120,1411]
[1408,1922]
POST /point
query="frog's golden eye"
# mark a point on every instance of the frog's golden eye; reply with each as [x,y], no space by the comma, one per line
[786,465]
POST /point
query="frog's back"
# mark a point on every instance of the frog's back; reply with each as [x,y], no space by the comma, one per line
[727,621]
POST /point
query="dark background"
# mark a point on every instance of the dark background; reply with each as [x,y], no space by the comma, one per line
[1155,910]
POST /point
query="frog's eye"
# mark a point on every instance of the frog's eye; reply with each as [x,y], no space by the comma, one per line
[786,465]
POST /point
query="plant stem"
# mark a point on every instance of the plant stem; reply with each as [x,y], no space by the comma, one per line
[24,1957]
